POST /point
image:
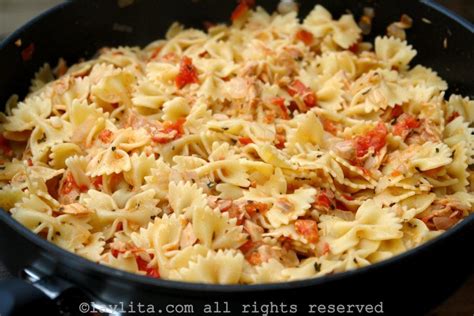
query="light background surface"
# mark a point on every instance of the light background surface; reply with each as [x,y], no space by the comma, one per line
[14,13]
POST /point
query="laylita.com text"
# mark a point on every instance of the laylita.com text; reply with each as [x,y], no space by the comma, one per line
[224,307]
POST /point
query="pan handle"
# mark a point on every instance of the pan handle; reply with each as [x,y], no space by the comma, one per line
[20,297]
[34,292]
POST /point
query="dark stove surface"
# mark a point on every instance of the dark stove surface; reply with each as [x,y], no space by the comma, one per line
[460,303]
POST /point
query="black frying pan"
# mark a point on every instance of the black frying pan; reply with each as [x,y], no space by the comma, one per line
[411,283]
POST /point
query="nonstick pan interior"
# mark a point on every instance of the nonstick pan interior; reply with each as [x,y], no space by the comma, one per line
[79,28]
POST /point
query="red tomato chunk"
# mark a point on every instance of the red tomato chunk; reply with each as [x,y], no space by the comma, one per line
[245,140]
[170,128]
[305,36]
[308,95]
[375,139]
[106,136]
[187,73]
[405,124]
[307,228]
[280,103]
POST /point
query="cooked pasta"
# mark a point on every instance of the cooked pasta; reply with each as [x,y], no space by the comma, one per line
[269,150]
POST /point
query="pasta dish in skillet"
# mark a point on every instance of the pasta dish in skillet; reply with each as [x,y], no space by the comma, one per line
[269,150]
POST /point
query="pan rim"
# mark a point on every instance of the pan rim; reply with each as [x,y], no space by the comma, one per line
[79,263]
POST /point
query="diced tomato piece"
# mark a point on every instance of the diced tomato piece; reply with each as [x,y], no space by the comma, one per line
[116,252]
[249,249]
[397,111]
[175,126]
[27,52]
[395,173]
[97,181]
[170,127]
[68,184]
[329,126]
[411,122]
[142,266]
[280,140]
[29,162]
[106,136]
[296,87]
[280,103]
[354,47]
[375,139]
[83,188]
[323,200]
[256,207]
[248,246]
[305,36]
[405,125]
[162,140]
[245,140]
[308,95]
[153,273]
[453,116]
[308,228]
[187,73]
[254,258]
[241,9]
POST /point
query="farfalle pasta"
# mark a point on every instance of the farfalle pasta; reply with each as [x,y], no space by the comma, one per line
[267,150]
